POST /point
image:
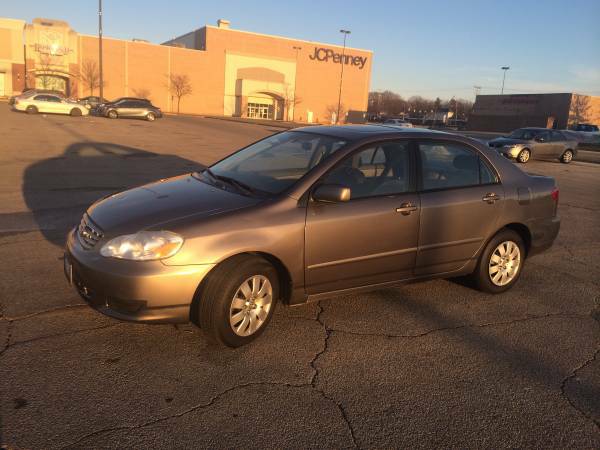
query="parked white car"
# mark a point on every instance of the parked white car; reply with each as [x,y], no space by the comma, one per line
[49,103]
[398,123]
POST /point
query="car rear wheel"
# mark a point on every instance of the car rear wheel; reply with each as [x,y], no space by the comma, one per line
[237,302]
[75,112]
[150,117]
[112,114]
[31,109]
[524,156]
[567,157]
[501,263]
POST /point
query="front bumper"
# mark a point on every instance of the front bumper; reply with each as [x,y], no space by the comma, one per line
[139,291]
[509,152]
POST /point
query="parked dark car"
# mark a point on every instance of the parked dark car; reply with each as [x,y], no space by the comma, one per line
[101,108]
[538,143]
[132,108]
[307,214]
[91,101]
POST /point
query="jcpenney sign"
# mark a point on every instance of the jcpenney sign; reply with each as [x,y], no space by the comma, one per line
[326,54]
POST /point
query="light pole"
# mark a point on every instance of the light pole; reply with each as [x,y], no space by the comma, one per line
[295,83]
[504,68]
[337,117]
[100,51]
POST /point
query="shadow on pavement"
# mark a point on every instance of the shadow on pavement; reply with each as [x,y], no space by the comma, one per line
[58,190]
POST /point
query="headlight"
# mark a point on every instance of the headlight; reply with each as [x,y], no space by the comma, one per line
[143,246]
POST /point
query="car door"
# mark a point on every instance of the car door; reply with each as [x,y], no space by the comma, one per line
[372,238]
[41,103]
[125,108]
[461,200]
[558,144]
[543,146]
[55,104]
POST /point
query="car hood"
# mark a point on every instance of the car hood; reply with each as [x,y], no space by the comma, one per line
[161,202]
[499,142]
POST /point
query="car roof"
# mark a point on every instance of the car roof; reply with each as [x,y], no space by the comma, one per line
[355,132]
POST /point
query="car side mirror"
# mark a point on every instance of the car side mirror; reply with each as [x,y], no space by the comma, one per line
[332,193]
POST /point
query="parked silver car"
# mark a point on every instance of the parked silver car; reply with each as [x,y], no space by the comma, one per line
[538,143]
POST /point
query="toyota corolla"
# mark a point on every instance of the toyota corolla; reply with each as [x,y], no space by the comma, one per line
[305,215]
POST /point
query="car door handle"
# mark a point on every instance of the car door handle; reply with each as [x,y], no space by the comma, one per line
[490,197]
[406,208]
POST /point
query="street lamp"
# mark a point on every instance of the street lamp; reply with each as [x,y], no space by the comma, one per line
[295,84]
[504,68]
[100,51]
[337,117]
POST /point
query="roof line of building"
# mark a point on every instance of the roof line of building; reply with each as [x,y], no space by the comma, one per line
[268,35]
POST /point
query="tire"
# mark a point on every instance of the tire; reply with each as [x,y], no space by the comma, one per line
[486,276]
[226,302]
[75,112]
[150,117]
[524,156]
[567,157]
[112,114]
[31,110]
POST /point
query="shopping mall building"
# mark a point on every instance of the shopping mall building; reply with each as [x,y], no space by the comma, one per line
[231,72]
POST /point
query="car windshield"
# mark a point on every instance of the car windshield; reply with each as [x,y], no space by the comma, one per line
[523,133]
[277,162]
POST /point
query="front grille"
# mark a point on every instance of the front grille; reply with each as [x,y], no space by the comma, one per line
[88,233]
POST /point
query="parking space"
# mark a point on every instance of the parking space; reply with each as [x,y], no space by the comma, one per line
[423,365]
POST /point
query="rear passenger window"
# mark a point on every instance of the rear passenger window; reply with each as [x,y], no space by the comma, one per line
[447,165]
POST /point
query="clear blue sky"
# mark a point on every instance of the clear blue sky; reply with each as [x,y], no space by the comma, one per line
[430,48]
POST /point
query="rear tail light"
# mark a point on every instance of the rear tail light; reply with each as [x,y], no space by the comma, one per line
[554,195]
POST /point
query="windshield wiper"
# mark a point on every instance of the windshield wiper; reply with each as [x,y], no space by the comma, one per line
[239,185]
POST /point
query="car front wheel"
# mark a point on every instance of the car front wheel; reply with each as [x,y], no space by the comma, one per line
[238,300]
[150,117]
[75,112]
[524,156]
[112,114]
[501,262]
[567,157]
[31,109]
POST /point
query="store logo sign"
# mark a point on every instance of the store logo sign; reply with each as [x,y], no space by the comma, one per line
[52,49]
[326,54]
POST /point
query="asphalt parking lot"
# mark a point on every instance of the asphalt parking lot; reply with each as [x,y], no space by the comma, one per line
[433,364]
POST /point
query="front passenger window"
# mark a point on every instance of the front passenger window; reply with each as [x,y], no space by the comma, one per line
[381,169]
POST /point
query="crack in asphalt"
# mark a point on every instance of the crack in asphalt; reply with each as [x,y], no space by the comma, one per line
[572,375]
[180,414]
[461,326]
[314,379]
[47,311]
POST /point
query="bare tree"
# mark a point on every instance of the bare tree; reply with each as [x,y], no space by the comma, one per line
[290,100]
[45,67]
[580,109]
[179,86]
[89,74]
[141,92]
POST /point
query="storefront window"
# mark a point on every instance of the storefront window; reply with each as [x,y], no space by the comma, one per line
[259,111]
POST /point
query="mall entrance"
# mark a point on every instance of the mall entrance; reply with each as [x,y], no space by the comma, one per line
[53,82]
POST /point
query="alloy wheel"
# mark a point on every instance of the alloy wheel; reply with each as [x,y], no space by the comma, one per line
[524,156]
[251,305]
[567,156]
[505,263]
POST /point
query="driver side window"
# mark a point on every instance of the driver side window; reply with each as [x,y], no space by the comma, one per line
[380,169]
